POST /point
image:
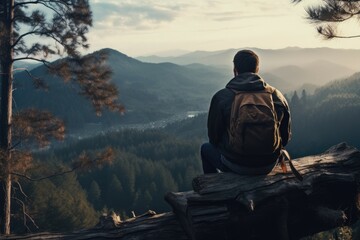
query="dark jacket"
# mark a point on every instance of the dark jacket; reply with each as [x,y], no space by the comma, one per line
[219,118]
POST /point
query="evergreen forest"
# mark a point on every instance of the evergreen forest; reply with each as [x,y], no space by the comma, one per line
[147,164]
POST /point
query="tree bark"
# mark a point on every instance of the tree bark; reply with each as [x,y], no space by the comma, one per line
[276,206]
[148,226]
[6,108]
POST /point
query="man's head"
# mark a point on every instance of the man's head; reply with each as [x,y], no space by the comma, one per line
[246,61]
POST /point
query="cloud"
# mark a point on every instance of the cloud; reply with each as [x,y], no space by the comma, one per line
[246,9]
[150,14]
[130,15]
[234,17]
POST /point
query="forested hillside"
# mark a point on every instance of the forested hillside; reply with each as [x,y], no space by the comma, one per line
[327,117]
[147,164]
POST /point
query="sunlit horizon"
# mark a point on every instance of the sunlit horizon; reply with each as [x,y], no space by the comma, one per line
[140,28]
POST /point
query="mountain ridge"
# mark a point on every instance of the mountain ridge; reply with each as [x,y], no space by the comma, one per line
[225,56]
[149,91]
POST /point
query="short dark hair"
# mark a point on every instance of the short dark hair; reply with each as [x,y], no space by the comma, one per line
[246,61]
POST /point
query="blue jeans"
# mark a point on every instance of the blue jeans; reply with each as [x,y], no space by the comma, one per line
[211,159]
[213,162]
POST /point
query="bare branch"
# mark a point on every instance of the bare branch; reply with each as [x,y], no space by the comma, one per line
[25,3]
[329,32]
[34,59]
[46,4]
[345,37]
[38,82]
[26,215]
[21,161]
[14,146]
[333,12]
[41,126]
[93,77]
[43,178]
[39,2]
[24,35]
[51,8]
[84,162]
[40,33]
[21,189]
[329,14]
[32,220]
[50,35]
[352,36]
[22,204]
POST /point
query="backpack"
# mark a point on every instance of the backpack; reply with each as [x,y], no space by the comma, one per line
[254,127]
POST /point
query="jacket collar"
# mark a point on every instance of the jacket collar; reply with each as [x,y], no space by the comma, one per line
[247,81]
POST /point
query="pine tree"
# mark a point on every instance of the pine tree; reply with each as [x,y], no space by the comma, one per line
[330,13]
[115,192]
[303,97]
[295,100]
[94,193]
[62,34]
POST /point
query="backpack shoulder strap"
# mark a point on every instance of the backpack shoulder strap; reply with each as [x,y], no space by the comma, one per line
[285,156]
[267,88]
[270,89]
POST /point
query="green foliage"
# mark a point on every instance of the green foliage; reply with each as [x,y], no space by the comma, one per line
[147,164]
[190,128]
[94,192]
[326,118]
[60,204]
[329,14]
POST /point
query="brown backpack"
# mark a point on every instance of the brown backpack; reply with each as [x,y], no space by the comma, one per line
[254,127]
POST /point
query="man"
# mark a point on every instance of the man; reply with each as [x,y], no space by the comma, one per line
[252,146]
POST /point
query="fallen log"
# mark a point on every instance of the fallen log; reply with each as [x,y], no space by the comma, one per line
[276,206]
[147,226]
[230,206]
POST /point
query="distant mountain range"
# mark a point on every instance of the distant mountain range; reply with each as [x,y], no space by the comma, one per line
[28,65]
[286,69]
[154,91]
[148,91]
[270,58]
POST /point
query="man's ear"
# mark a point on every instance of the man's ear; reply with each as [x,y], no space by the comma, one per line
[235,72]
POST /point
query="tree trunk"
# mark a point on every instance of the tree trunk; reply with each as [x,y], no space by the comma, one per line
[6,61]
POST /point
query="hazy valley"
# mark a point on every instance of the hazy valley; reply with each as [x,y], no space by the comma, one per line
[155,91]
[287,69]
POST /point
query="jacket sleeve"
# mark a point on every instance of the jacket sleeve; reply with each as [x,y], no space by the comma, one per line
[215,122]
[283,112]
[285,128]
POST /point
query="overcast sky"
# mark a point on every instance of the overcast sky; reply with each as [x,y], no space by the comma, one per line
[143,27]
